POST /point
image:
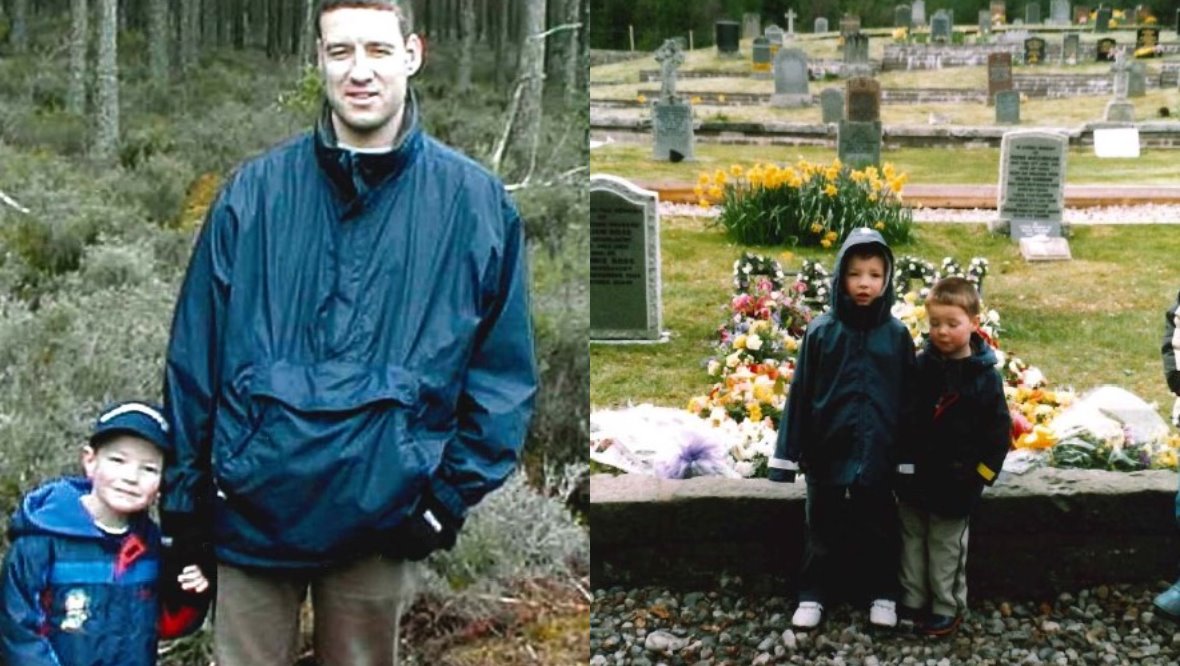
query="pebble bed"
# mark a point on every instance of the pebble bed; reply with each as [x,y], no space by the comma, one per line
[1109,624]
[1144,214]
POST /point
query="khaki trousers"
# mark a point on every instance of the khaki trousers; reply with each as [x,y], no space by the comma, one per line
[356,609]
[933,561]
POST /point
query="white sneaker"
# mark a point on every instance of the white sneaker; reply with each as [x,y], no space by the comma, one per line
[883,613]
[807,615]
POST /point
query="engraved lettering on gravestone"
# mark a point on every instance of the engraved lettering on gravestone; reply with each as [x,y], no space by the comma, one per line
[624,261]
[1034,51]
[1146,38]
[1032,172]
[859,143]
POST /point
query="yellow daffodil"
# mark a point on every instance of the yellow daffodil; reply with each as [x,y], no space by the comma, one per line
[754,412]
[879,226]
[816,227]
[831,236]
[826,243]
[830,190]
[739,342]
[704,178]
[736,170]
[715,193]
[696,99]
[719,177]
[641,99]
[699,190]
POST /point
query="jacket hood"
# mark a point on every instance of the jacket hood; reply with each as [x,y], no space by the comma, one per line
[56,508]
[982,355]
[845,308]
[355,174]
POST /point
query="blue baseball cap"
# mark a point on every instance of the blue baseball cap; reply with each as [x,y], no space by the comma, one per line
[141,419]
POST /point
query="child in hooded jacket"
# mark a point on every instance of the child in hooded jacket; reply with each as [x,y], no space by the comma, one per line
[961,434]
[841,425]
[1168,601]
[83,581]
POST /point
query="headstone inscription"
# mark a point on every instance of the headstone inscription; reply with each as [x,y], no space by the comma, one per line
[1147,39]
[1034,51]
[1032,183]
[999,74]
[624,261]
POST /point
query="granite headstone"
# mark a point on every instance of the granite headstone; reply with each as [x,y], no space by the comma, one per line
[727,34]
[940,27]
[918,12]
[1008,107]
[1069,48]
[1102,19]
[1059,12]
[832,102]
[864,99]
[1032,183]
[751,25]
[903,16]
[821,24]
[1034,51]
[624,261]
[1032,13]
[858,144]
[790,79]
[1104,50]
[762,59]
[999,74]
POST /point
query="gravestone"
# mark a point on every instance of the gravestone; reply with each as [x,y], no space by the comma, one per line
[1045,248]
[918,12]
[1032,13]
[985,22]
[761,66]
[774,35]
[1059,12]
[858,144]
[940,27]
[624,261]
[1122,73]
[856,49]
[1008,107]
[864,99]
[727,35]
[1119,110]
[903,16]
[1102,19]
[999,10]
[671,115]
[1120,142]
[1032,183]
[751,25]
[832,102]
[1137,80]
[849,24]
[821,24]
[1081,14]
[791,16]
[1143,14]
[1069,48]
[790,79]
[1104,50]
[1034,51]
[1146,38]
[999,74]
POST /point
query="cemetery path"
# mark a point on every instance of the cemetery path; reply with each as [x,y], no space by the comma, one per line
[983,196]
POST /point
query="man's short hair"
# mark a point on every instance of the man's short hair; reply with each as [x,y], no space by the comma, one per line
[956,291]
[403,8]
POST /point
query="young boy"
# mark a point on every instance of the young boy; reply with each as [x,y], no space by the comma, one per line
[843,412]
[960,436]
[79,581]
[1168,602]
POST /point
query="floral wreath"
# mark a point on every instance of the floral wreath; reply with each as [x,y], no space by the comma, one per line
[748,270]
[907,269]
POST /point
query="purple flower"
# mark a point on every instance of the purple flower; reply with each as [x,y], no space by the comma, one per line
[699,455]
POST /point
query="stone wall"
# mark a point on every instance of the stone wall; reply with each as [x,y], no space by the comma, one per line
[1034,534]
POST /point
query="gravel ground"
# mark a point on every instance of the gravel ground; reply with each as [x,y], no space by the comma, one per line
[652,626]
[1145,214]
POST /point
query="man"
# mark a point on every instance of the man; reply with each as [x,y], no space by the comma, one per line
[351,361]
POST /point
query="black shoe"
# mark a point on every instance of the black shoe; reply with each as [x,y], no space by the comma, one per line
[941,625]
[915,615]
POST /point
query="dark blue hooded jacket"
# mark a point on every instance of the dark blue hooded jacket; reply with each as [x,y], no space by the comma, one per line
[73,594]
[353,332]
[852,375]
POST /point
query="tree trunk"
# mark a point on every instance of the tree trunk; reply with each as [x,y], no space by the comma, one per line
[503,23]
[531,75]
[106,138]
[572,55]
[79,41]
[158,39]
[188,32]
[463,82]
[18,35]
[306,50]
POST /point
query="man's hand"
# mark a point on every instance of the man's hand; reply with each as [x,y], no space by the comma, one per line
[429,528]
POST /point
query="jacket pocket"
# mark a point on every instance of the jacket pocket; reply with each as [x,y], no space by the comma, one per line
[332,459]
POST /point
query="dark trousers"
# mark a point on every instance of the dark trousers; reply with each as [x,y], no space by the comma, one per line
[853,544]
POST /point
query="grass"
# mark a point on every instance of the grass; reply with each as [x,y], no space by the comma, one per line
[1095,320]
[924,165]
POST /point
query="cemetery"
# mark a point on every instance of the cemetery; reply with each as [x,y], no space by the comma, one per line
[1037,158]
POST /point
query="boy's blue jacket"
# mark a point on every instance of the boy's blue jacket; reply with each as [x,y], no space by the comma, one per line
[353,331]
[845,406]
[74,595]
[962,430]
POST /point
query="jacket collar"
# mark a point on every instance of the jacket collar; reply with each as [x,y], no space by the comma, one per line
[355,174]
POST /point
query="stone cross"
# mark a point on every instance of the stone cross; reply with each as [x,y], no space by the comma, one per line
[1122,72]
[670,57]
[791,15]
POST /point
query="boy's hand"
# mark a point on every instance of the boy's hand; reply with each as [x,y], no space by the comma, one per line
[192,580]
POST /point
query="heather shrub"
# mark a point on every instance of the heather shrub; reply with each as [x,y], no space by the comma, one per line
[157,186]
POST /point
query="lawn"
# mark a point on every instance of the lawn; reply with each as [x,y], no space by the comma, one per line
[1095,320]
[960,165]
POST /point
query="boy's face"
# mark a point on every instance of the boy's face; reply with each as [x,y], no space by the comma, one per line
[366,64]
[125,473]
[864,279]
[950,329]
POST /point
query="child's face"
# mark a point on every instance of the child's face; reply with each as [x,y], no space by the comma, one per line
[864,279]
[950,329]
[125,473]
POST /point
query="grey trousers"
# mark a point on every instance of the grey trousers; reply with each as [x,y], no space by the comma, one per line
[356,610]
[933,561]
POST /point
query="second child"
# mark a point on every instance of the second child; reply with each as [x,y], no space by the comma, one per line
[844,411]
[960,437]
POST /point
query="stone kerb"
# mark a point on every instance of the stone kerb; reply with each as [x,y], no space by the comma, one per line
[1034,534]
[908,57]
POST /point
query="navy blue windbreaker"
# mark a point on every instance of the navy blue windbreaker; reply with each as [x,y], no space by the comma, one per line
[353,330]
[74,595]
[849,394]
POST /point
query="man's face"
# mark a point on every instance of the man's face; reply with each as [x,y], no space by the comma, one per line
[366,64]
[864,279]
